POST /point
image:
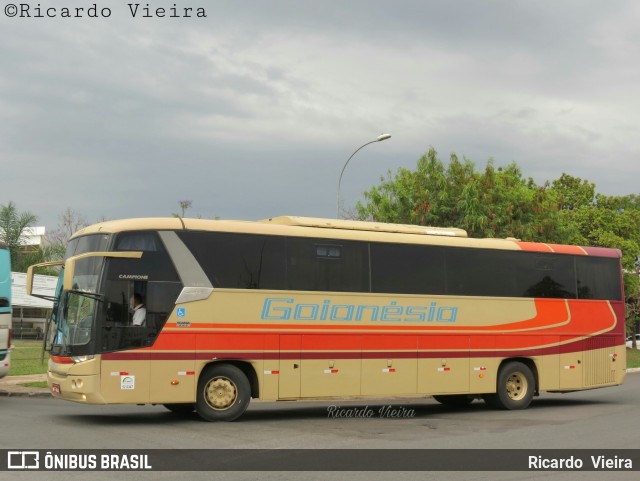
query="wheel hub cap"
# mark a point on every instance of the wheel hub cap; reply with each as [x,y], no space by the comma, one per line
[516,386]
[221,393]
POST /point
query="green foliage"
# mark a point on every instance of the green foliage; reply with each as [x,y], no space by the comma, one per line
[496,202]
[573,192]
[13,226]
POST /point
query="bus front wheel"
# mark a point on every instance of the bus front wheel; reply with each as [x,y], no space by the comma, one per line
[224,393]
[515,388]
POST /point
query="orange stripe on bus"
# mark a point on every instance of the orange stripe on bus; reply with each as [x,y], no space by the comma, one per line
[553,318]
[534,247]
[565,249]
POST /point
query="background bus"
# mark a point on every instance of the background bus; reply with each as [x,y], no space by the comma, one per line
[292,308]
[5,310]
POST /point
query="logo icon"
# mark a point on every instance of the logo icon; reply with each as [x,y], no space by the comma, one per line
[23,460]
[181,312]
[127,383]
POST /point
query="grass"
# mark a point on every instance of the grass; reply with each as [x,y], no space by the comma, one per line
[633,358]
[25,358]
[35,384]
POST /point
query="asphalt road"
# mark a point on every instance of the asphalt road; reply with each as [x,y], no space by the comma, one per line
[603,419]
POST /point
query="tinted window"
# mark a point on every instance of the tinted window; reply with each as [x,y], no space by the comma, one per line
[321,265]
[239,261]
[154,265]
[598,278]
[407,269]
[546,275]
[477,272]
[138,241]
[87,243]
[116,316]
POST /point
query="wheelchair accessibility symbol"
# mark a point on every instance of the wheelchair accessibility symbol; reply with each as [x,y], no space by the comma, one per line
[181,312]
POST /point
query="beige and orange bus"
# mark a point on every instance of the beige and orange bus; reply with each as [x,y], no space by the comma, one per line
[293,308]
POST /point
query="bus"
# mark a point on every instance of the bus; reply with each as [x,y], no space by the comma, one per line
[291,308]
[5,310]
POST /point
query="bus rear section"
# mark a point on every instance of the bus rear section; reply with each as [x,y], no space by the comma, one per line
[5,310]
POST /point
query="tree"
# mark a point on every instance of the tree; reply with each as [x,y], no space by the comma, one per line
[69,222]
[573,192]
[496,202]
[13,232]
[184,206]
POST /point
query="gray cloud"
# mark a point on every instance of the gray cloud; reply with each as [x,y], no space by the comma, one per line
[252,111]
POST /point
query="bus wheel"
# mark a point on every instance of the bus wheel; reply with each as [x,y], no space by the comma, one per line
[224,393]
[182,408]
[515,388]
[454,400]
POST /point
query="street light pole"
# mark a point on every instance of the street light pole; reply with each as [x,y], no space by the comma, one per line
[380,138]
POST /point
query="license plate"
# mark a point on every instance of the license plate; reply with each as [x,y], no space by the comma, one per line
[55,388]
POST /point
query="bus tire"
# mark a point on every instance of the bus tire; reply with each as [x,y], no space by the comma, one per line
[181,408]
[454,400]
[515,388]
[223,394]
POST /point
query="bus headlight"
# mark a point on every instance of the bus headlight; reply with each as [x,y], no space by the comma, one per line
[78,359]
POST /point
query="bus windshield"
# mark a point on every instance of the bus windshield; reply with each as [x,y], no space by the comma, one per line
[71,320]
[71,323]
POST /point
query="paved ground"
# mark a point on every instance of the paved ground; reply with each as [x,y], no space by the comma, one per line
[11,386]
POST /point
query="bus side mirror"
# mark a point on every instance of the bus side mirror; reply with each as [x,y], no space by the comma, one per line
[30,275]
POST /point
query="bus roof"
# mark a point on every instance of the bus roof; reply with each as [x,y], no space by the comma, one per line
[341,229]
[359,225]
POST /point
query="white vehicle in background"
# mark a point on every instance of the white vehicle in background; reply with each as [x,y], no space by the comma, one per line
[5,310]
[630,340]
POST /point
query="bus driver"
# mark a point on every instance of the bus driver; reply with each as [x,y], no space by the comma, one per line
[139,311]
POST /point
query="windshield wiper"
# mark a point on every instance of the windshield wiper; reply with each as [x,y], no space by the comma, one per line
[90,295]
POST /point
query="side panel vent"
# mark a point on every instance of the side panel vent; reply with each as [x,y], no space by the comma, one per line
[597,362]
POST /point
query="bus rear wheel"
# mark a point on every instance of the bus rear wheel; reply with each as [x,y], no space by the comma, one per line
[224,393]
[515,388]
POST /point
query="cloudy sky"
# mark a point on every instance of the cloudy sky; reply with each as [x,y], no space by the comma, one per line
[252,111]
